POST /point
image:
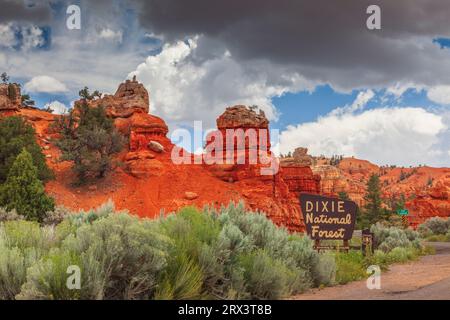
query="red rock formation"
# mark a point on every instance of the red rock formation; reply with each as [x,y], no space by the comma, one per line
[297,173]
[301,179]
[425,201]
[129,108]
[240,123]
[150,181]
[281,189]
[131,97]
[435,202]
[334,180]
[242,140]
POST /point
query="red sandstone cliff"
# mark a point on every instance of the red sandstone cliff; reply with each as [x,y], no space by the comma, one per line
[426,189]
[148,182]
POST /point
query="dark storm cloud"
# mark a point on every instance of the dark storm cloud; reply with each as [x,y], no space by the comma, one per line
[325,40]
[29,11]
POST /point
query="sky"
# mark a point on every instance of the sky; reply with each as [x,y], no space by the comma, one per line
[324,80]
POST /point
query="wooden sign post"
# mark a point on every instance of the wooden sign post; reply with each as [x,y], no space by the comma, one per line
[328,219]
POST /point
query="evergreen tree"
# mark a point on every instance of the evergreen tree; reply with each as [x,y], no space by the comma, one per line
[16,134]
[373,210]
[5,78]
[86,95]
[23,191]
[26,101]
[89,139]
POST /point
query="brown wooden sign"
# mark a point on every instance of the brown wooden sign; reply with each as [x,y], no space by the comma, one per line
[328,218]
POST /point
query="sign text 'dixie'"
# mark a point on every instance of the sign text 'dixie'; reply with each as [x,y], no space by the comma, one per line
[328,218]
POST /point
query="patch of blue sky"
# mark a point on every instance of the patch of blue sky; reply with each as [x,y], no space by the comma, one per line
[301,107]
[444,43]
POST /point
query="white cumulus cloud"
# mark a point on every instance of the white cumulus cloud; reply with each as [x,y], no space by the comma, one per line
[439,94]
[401,136]
[183,89]
[45,84]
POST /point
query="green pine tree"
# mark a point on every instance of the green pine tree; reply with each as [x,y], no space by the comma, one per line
[23,191]
[373,210]
[90,140]
[16,134]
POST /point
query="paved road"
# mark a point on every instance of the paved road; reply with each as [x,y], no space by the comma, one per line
[425,279]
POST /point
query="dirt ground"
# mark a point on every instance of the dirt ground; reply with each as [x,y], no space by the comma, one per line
[424,279]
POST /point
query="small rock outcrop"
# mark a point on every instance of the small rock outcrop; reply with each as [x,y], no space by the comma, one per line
[252,129]
[156,146]
[241,116]
[131,97]
[297,173]
[10,97]
[190,195]
[299,158]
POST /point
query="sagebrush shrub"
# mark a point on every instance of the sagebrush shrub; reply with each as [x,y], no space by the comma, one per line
[83,217]
[228,253]
[119,256]
[6,215]
[56,216]
[266,277]
[424,231]
[181,280]
[436,225]
[22,244]
[388,238]
[47,278]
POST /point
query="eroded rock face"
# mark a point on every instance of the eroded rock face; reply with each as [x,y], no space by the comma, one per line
[299,158]
[144,128]
[10,97]
[245,143]
[279,196]
[441,189]
[150,181]
[241,116]
[300,179]
[131,97]
[129,107]
[433,203]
